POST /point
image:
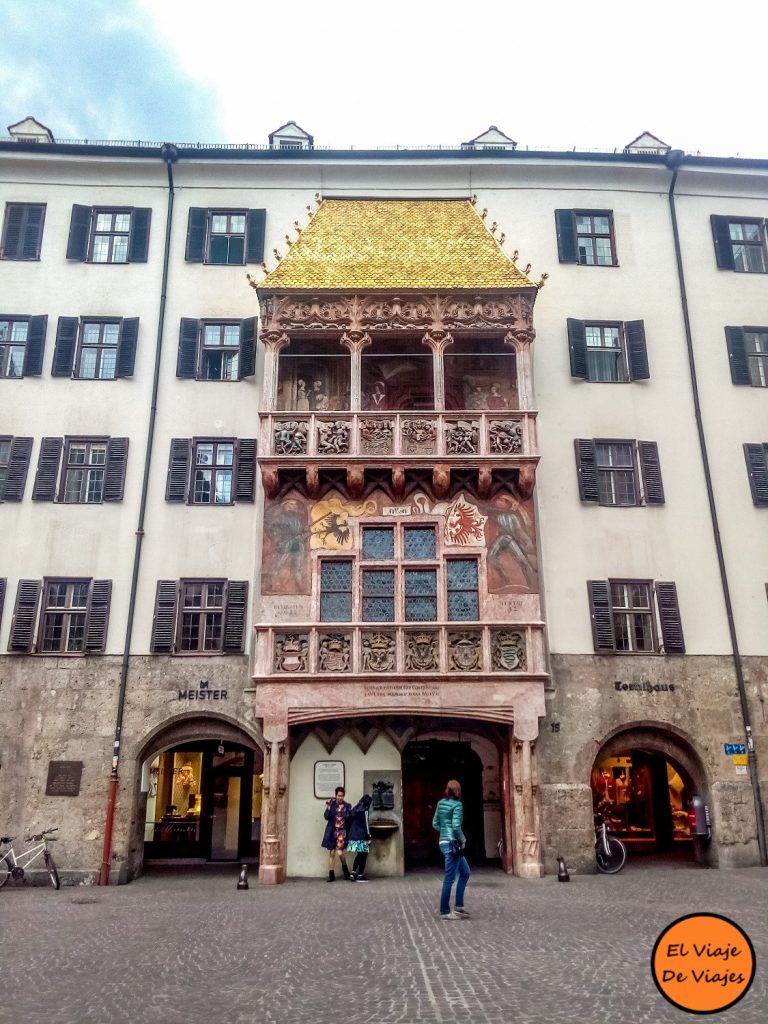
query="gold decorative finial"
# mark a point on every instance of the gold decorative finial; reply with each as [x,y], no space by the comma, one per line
[264,267]
[277,255]
[288,241]
[527,268]
[502,238]
[251,281]
[515,256]
[309,210]
[484,214]
[542,279]
[318,200]
[493,228]
[473,200]
[297,227]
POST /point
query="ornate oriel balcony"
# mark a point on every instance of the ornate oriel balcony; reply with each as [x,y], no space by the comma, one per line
[423,650]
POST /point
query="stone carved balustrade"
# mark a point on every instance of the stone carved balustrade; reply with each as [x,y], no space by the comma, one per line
[369,436]
[413,649]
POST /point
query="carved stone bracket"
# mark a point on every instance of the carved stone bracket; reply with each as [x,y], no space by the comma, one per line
[355,481]
[441,481]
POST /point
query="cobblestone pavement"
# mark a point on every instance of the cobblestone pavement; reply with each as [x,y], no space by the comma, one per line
[190,948]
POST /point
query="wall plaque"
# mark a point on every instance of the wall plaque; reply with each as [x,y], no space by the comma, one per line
[328,776]
[64,778]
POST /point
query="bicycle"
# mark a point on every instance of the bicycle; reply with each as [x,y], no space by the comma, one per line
[12,866]
[610,852]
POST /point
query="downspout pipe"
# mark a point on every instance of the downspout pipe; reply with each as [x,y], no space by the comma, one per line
[170,154]
[675,158]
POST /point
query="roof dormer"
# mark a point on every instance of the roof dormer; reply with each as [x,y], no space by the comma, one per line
[290,136]
[30,130]
[647,143]
[491,138]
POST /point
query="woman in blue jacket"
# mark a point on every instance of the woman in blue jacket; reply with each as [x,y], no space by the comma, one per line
[448,819]
[359,837]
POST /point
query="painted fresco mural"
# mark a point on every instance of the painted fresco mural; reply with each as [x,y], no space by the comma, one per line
[503,527]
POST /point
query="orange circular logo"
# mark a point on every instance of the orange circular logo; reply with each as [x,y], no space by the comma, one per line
[703,963]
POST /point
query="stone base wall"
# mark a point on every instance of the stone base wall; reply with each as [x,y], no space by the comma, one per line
[690,704]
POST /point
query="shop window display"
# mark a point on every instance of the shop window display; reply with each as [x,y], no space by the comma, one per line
[480,375]
[644,800]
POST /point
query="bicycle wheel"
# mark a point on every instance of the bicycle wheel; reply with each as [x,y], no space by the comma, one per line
[53,874]
[612,862]
[5,871]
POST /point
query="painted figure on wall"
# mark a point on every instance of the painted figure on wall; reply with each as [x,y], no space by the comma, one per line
[302,399]
[285,567]
[318,395]
[512,561]
[376,398]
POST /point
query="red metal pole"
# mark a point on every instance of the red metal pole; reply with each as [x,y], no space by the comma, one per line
[108,829]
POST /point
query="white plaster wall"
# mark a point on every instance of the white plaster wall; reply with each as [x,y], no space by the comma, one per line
[306,824]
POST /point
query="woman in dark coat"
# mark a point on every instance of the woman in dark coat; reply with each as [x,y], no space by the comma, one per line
[359,838]
[337,812]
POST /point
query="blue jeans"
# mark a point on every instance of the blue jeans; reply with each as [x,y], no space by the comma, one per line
[455,863]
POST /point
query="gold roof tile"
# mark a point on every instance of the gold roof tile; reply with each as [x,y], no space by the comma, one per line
[393,245]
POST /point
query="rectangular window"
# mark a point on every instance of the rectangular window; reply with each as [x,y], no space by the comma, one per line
[606,356]
[420,595]
[378,543]
[13,340]
[335,591]
[219,351]
[633,620]
[748,246]
[378,595]
[202,615]
[65,606]
[594,238]
[5,458]
[226,237]
[22,231]
[84,468]
[212,473]
[110,235]
[756,346]
[97,350]
[616,473]
[463,604]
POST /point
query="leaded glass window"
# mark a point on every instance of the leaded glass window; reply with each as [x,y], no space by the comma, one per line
[378,595]
[336,591]
[419,542]
[420,595]
[378,543]
[463,604]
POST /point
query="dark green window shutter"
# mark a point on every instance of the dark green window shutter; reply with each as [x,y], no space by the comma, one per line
[2,598]
[737,355]
[18,467]
[44,488]
[234,617]
[196,225]
[567,249]
[255,227]
[178,469]
[126,347]
[24,620]
[186,361]
[79,232]
[66,343]
[32,235]
[97,618]
[138,242]
[757,467]
[577,348]
[586,465]
[245,479]
[114,474]
[669,618]
[722,236]
[248,347]
[33,355]
[637,352]
[14,220]
[164,621]
[650,467]
[600,612]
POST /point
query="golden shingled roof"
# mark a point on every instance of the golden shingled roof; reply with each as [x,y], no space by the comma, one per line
[395,244]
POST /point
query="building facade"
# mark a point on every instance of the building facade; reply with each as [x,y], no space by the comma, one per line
[381,468]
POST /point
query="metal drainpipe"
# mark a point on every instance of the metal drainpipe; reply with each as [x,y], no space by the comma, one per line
[170,155]
[674,159]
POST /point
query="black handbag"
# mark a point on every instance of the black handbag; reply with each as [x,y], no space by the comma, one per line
[457,848]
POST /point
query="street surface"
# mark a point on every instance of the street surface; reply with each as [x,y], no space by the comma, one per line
[188,948]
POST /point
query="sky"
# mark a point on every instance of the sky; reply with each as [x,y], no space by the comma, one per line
[585,74]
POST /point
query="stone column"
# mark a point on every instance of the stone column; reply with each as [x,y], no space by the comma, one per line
[274,343]
[520,340]
[525,800]
[274,811]
[355,341]
[437,341]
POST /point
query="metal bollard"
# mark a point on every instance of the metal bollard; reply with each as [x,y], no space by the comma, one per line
[242,882]
[562,871]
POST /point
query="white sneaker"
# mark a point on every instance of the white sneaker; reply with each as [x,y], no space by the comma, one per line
[450,917]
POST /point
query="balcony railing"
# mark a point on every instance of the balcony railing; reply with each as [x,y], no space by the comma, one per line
[373,435]
[375,650]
